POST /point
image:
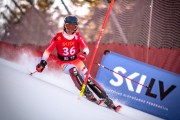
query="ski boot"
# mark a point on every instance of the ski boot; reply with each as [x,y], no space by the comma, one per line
[89,95]
[111,105]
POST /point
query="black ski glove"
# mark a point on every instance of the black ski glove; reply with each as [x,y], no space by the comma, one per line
[40,67]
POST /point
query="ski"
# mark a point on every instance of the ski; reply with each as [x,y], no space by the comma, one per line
[100,102]
[117,108]
[113,107]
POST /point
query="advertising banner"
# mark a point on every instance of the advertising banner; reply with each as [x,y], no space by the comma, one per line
[141,86]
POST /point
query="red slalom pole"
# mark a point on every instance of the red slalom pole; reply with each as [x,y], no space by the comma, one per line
[96,47]
[121,75]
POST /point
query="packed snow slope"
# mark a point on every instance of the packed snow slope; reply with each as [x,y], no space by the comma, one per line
[50,96]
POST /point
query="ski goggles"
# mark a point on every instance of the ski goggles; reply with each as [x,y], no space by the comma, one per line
[70,26]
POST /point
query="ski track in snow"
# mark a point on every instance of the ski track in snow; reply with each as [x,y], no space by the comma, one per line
[50,96]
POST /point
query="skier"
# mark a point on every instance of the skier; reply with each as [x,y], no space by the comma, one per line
[72,50]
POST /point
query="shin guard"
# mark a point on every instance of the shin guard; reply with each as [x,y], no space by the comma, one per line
[97,89]
[78,81]
[76,77]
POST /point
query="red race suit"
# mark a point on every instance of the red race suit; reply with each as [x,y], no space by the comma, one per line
[67,49]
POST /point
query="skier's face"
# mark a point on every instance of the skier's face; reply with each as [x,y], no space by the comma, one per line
[70,28]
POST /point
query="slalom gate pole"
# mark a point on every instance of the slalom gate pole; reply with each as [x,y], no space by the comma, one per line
[96,47]
[121,75]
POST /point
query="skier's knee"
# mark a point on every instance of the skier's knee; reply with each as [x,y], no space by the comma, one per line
[84,71]
[73,71]
[66,68]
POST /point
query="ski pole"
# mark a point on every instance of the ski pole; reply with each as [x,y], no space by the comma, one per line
[121,75]
[32,73]
[96,47]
